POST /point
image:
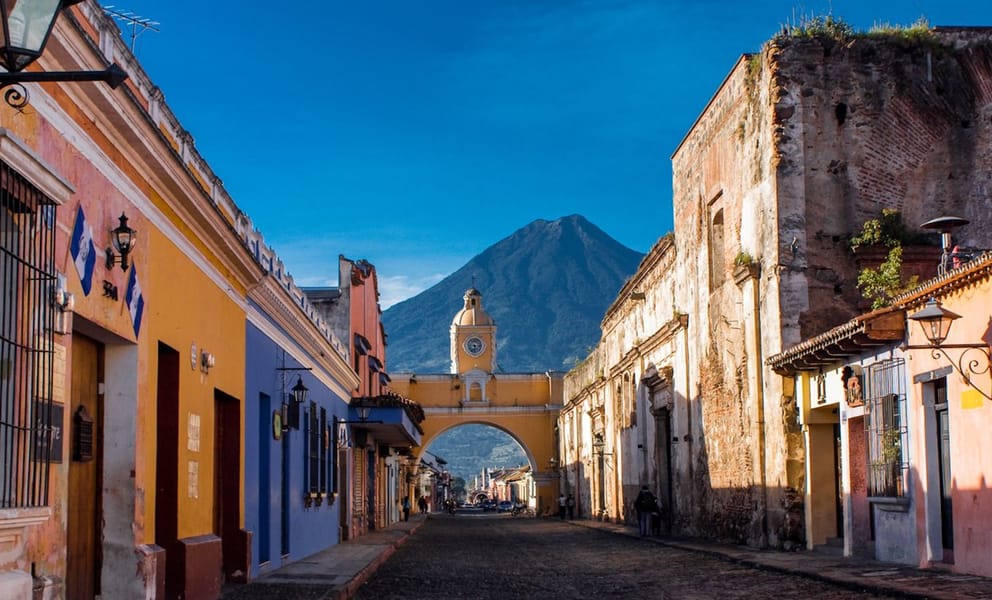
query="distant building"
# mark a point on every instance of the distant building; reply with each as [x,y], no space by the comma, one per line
[376,436]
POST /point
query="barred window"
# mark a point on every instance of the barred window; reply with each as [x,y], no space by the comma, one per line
[325,448]
[314,450]
[888,468]
[27,280]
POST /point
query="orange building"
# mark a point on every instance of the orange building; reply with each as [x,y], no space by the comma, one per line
[376,440]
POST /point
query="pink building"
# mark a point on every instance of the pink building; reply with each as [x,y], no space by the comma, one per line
[950,410]
[895,408]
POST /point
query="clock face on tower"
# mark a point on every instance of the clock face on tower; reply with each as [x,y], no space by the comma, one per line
[474,346]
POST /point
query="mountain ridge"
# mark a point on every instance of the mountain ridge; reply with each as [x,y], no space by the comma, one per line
[546,285]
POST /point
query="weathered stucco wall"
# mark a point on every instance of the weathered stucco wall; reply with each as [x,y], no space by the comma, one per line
[800,145]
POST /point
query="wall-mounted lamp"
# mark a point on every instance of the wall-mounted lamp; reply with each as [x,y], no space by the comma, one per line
[207,361]
[299,391]
[26,26]
[599,445]
[123,238]
[292,398]
[936,323]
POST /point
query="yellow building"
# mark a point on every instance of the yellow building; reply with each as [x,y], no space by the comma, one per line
[523,405]
[132,378]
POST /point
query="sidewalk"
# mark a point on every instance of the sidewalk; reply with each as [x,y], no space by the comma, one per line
[332,574]
[856,574]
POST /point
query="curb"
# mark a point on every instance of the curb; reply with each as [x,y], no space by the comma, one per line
[351,587]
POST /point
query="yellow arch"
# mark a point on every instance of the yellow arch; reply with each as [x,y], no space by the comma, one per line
[524,406]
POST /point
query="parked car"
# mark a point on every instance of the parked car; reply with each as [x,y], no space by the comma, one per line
[504,506]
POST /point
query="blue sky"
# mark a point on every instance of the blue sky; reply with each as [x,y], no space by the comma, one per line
[416,133]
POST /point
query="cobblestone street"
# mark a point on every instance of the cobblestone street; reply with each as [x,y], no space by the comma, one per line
[468,556]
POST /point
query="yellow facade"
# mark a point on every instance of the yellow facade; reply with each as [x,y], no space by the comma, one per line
[197,314]
[194,272]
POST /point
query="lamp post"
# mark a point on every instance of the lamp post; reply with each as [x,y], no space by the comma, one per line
[25,28]
[935,320]
[944,226]
[599,448]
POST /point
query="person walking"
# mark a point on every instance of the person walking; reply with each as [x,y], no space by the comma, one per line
[561,506]
[570,503]
[422,504]
[645,504]
[406,508]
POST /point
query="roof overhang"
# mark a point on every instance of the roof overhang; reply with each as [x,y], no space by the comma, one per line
[858,336]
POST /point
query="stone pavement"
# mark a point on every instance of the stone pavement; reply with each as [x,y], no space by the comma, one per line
[858,574]
[335,573]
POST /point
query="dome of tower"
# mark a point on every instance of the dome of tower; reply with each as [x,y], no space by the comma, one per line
[472,313]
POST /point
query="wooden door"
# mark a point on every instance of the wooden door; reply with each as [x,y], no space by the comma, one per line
[167,469]
[227,483]
[83,504]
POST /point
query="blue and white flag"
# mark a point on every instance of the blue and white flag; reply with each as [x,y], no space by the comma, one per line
[135,301]
[83,251]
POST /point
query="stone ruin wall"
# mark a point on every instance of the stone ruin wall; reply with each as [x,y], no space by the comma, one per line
[881,124]
[799,147]
[724,163]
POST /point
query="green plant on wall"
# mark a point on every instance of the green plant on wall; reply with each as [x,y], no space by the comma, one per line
[743,258]
[882,284]
[812,26]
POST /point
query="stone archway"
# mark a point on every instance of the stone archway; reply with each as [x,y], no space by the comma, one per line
[524,406]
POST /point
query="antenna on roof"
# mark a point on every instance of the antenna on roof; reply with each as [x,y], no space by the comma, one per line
[138,24]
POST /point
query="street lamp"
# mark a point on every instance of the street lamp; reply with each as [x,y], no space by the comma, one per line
[123,239]
[599,448]
[935,320]
[292,398]
[24,31]
[945,225]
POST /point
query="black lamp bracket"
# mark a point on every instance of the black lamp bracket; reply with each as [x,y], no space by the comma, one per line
[968,364]
[16,95]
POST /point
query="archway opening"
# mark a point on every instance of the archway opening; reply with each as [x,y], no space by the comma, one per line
[486,465]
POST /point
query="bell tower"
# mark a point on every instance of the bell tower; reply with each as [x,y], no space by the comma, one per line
[473,338]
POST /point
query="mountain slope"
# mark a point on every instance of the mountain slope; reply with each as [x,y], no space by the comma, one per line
[547,286]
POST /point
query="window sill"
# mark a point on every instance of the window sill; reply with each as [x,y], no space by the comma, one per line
[13,522]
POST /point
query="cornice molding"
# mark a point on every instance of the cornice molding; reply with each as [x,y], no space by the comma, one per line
[285,322]
[125,122]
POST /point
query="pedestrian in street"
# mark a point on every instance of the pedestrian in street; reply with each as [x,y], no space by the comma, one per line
[406,508]
[570,503]
[645,504]
[657,515]
[561,506]
[422,504]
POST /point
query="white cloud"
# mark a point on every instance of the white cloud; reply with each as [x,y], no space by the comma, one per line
[398,288]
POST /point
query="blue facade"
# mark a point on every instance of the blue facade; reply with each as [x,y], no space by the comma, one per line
[287,521]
